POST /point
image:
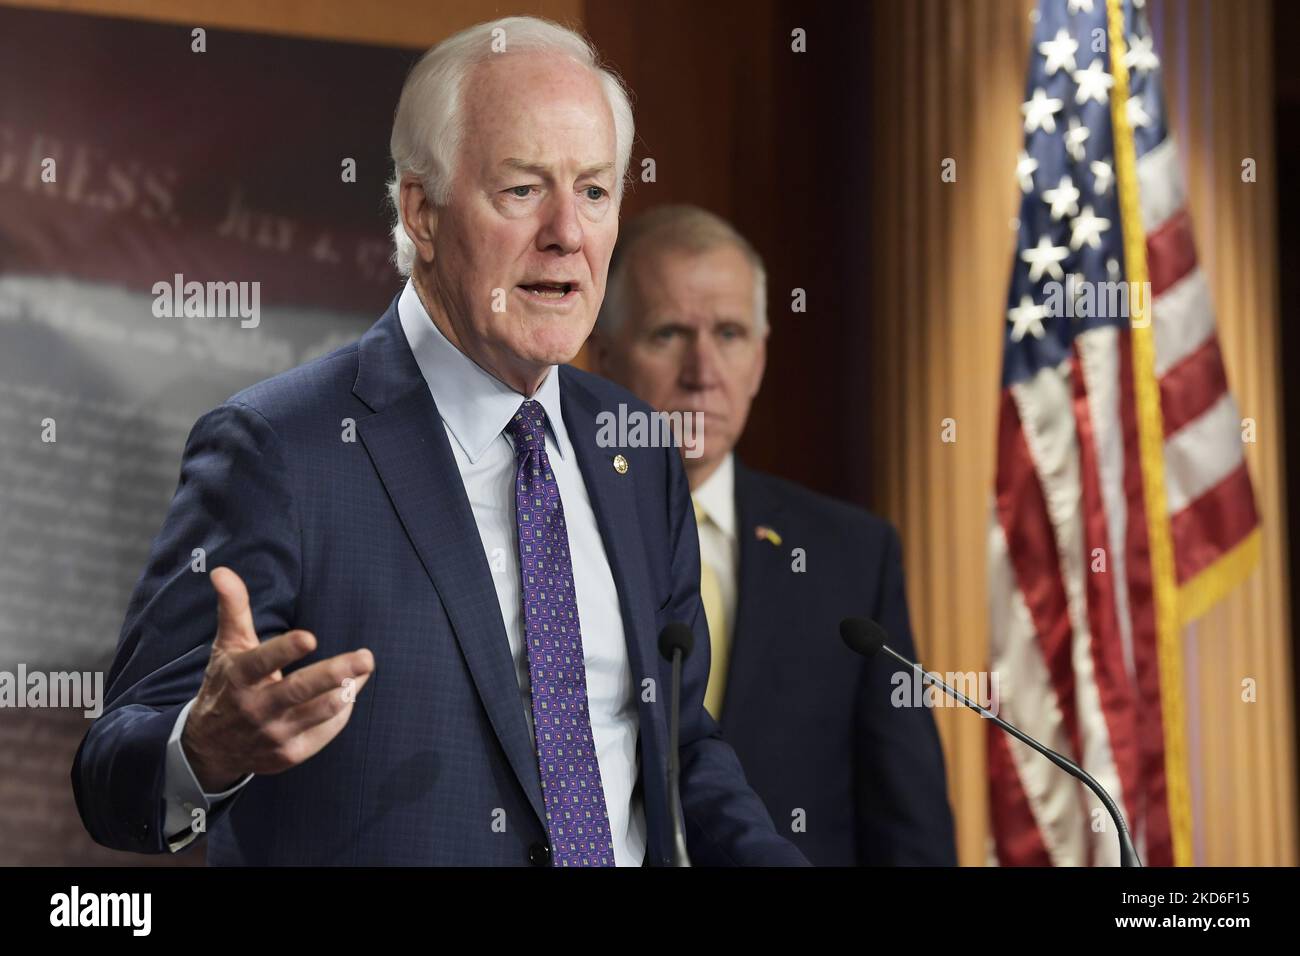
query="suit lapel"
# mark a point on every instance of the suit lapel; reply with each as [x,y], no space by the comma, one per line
[760,581]
[614,501]
[408,444]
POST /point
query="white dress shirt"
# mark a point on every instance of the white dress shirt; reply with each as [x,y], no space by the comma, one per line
[475,408]
[719,546]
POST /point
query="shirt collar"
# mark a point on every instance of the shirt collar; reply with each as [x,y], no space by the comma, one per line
[717,497]
[475,406]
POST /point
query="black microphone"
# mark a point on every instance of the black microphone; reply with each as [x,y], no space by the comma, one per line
[675,644]
[867,637]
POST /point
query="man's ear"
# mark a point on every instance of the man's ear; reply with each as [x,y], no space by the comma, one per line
[762,365]
[419,216]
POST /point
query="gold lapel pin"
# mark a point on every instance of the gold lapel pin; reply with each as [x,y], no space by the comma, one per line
[764,533]
[620,464]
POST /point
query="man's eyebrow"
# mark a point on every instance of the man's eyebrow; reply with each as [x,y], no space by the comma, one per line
[523,166]
[542,170]
[658,323]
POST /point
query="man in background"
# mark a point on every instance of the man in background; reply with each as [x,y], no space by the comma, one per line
[851,778]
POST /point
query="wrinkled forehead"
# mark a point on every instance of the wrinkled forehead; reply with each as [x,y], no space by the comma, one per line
[537,107]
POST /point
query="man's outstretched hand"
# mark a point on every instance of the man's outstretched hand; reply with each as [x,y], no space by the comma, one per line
[250,718]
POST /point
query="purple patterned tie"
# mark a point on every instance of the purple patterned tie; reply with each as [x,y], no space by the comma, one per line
[566,753]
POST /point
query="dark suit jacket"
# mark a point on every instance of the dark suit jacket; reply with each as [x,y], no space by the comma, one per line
[812,722]
[373,543]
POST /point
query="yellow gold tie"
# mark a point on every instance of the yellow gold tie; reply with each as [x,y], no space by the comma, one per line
[715,611]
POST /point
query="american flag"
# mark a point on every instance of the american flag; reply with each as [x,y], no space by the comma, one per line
[1122,507]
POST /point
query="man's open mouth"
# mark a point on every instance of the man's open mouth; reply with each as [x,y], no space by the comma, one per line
[549,290]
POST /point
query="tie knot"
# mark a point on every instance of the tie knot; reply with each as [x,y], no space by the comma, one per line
[528,428]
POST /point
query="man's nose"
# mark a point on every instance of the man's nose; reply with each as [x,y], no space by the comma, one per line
[700,363]
[561,229]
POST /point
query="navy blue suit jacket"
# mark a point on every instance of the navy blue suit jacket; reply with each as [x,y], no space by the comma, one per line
[372,543]
[813,722]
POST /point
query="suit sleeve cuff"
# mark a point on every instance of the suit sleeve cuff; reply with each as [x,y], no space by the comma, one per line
[182,794]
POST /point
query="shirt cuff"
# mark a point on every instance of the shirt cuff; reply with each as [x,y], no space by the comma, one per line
[182,794]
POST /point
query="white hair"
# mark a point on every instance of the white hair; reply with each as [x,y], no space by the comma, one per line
[683,227]
[428,125]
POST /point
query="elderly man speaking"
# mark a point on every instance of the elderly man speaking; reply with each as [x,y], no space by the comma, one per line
[430,632]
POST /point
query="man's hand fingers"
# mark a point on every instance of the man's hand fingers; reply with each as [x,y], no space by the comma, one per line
[307,744]
[253,666]
[235,630]
[323,707]
[316,679]
[312,740]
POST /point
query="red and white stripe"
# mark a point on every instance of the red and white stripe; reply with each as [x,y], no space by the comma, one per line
[1209,498]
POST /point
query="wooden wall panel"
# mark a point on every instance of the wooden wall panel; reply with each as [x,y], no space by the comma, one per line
[409,23]
[947,85]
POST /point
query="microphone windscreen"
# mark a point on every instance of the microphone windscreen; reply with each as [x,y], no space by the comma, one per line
[674,637]
[863,635]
